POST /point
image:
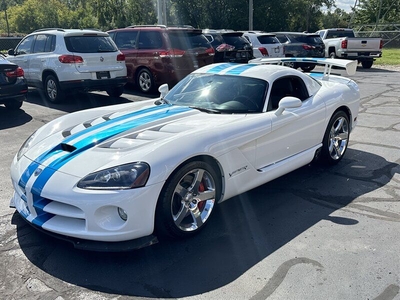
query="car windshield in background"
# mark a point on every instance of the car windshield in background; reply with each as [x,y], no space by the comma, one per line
[219,93]
[310,39]
[187,40]
[235,39]
[267,39]
[90,44]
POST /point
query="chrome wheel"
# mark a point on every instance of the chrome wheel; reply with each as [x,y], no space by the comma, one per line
[193,200]
[336,138]
[51,89]
[187,200]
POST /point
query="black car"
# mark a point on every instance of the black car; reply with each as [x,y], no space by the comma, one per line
[13,86]
[299,44]
[229,46]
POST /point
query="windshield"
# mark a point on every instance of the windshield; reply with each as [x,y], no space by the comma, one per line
[220,93]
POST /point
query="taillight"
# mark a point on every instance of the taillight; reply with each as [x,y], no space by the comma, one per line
[18,72]
[70,59]
[344,44]
[210,51]
[381,44]
[121,57]
[263,51]
[308,47]
[172,53]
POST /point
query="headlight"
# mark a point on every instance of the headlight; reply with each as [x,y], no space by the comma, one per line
[25,146]
[122,177]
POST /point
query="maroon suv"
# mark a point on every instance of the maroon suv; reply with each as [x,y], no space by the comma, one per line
[159,54]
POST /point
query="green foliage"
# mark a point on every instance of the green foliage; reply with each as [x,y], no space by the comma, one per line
[269,15]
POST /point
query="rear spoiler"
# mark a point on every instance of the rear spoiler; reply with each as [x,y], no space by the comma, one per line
[349,65]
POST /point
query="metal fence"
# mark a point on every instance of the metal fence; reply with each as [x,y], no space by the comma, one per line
[8,43]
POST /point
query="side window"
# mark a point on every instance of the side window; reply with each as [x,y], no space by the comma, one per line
[44,43]
[126,40]
[284,87]
[25,46]
[282,38]
[150,40]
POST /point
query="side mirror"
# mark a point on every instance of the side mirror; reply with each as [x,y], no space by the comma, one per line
[163,89]
[287,102]
[10,52]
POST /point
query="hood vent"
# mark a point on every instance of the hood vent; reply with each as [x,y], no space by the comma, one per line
[67,148]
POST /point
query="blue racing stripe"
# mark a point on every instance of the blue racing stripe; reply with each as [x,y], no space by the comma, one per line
[82,146]
[240,69]
[220,68]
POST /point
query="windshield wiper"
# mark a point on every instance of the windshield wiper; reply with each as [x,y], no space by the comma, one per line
[207,110]
[161,101]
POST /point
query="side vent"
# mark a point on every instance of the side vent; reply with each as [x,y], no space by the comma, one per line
[68,148]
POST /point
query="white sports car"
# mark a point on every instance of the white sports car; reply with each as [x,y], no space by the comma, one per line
[157,168]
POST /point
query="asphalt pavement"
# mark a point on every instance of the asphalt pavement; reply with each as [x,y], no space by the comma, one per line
[316,233]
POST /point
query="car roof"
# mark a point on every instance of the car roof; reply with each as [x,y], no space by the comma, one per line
[261,71]
[184,28]
[67,32]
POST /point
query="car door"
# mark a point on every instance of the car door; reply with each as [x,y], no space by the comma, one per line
[296,129]
[43,45]
[126,42]
[22,55]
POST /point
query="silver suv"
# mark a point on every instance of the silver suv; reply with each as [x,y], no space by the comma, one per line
[61,61]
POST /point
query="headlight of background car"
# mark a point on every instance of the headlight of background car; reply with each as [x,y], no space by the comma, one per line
[25,146]
[127,176]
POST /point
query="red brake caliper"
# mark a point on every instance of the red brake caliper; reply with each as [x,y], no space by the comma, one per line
[201,204]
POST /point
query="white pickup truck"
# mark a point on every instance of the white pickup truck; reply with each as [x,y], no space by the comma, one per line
[342,43]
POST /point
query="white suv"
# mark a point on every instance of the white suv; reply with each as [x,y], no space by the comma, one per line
[264,44]
[61,61]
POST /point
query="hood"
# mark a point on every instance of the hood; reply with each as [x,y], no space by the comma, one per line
[113,138]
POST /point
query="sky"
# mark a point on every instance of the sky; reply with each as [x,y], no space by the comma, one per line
[345,4]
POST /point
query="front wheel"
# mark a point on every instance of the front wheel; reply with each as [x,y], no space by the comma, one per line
[336,138]
[187,201]
[52,89]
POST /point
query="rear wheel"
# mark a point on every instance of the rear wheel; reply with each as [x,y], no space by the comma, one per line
[13,105]
[115,91]
[367,64]
[187,201]
[144,81]
[336,138]
[52,89]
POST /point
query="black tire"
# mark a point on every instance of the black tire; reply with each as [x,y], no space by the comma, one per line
[336,139]
[367,64]
[145,81]
[115,91]
[308,68]
[52,89]
[13,105]
[187,201]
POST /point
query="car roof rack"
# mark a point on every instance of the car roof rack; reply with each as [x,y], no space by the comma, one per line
[157,25]
[50,28]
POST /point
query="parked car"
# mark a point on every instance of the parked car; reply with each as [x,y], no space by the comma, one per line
[62,61]
[302,45]
[13,86]
[159,54]
[229,46]
[130,172]
[343,43]
[264,44]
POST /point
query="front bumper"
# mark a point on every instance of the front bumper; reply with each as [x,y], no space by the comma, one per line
[63,209]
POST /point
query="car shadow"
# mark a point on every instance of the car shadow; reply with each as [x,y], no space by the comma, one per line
[244,231]
[75,102]
[13,118]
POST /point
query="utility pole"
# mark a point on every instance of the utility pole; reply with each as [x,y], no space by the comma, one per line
[161,12]
[250,15]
